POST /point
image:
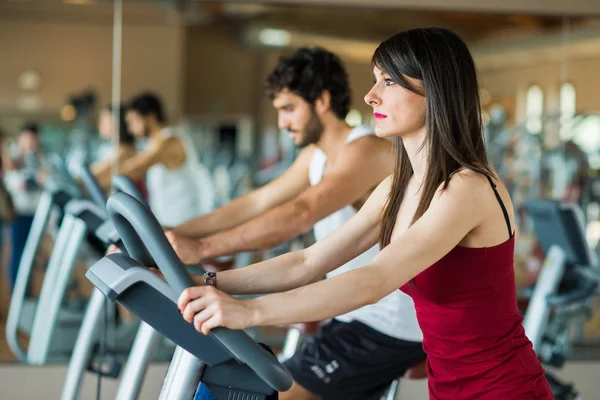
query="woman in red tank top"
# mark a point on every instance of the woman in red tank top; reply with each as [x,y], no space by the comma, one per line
[445,232]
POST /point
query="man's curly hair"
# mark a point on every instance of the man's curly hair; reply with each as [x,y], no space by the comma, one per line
[310,71]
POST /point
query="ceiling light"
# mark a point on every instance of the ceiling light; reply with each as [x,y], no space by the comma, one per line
[274,37]
[78,2]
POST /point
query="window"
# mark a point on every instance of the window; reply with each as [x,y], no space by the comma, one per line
[567,110]
[534,109]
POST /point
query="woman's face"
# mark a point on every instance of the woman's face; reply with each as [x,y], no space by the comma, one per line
[398,111]
[105,124]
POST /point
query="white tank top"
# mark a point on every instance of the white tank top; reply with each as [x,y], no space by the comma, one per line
[178,195]
[394,315]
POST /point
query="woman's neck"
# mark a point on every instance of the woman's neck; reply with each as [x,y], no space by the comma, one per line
[417,154]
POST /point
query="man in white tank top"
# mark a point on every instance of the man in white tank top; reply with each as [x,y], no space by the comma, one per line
[357,355]
[179,186]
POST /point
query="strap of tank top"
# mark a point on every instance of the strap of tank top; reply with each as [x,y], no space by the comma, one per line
[504,211]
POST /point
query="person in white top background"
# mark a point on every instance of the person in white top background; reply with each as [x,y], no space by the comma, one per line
[356,355]
[179,186]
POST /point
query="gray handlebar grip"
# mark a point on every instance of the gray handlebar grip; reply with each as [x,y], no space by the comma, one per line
[91,185]
[122,183]
[141,233]
[264,364]
[139,228]
[62,174]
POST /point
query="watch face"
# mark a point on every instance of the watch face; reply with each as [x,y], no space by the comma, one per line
[210,278]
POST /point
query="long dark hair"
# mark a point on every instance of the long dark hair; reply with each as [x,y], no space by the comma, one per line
[454,139]
[125,136]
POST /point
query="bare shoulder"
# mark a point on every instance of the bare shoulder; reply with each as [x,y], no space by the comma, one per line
[171,140]
[467,178]
[162,142]
[369,152]
[474,190]
[378,198]
[303,160]
[387,182]
[465,185]
[370,142]
[307,152]
[169,150]
[382,190]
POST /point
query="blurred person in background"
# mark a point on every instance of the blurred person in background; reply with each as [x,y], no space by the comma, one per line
[7,209]
[25,175]
[179,186]
[108,155]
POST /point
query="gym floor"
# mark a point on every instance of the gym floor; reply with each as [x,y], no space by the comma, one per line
[46,382]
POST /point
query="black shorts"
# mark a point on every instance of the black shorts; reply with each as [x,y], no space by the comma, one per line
[352,361]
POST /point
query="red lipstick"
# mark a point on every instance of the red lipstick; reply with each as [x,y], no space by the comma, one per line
[380,116]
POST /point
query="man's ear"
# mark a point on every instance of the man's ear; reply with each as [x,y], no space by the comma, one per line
[323,103]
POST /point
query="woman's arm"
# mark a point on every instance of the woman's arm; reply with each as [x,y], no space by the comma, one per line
[448,220]
[299,268]
[285,187]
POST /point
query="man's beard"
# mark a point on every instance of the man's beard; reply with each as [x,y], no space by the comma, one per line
[312,131]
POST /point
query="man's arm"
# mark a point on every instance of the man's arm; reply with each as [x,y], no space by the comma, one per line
[285,187]
[299,268]
[360,167]
[102,171]
[136,167]
[165,150]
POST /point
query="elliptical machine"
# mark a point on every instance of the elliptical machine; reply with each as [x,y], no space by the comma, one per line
[562,298]
[23,309]
[228,364]
[86,349]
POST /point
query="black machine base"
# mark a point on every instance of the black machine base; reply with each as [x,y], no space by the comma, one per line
[104,363]
[561,390]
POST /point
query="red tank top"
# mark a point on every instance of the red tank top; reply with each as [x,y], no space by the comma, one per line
[472,332]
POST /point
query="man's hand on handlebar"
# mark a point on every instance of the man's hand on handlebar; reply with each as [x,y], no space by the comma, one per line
[189,250]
